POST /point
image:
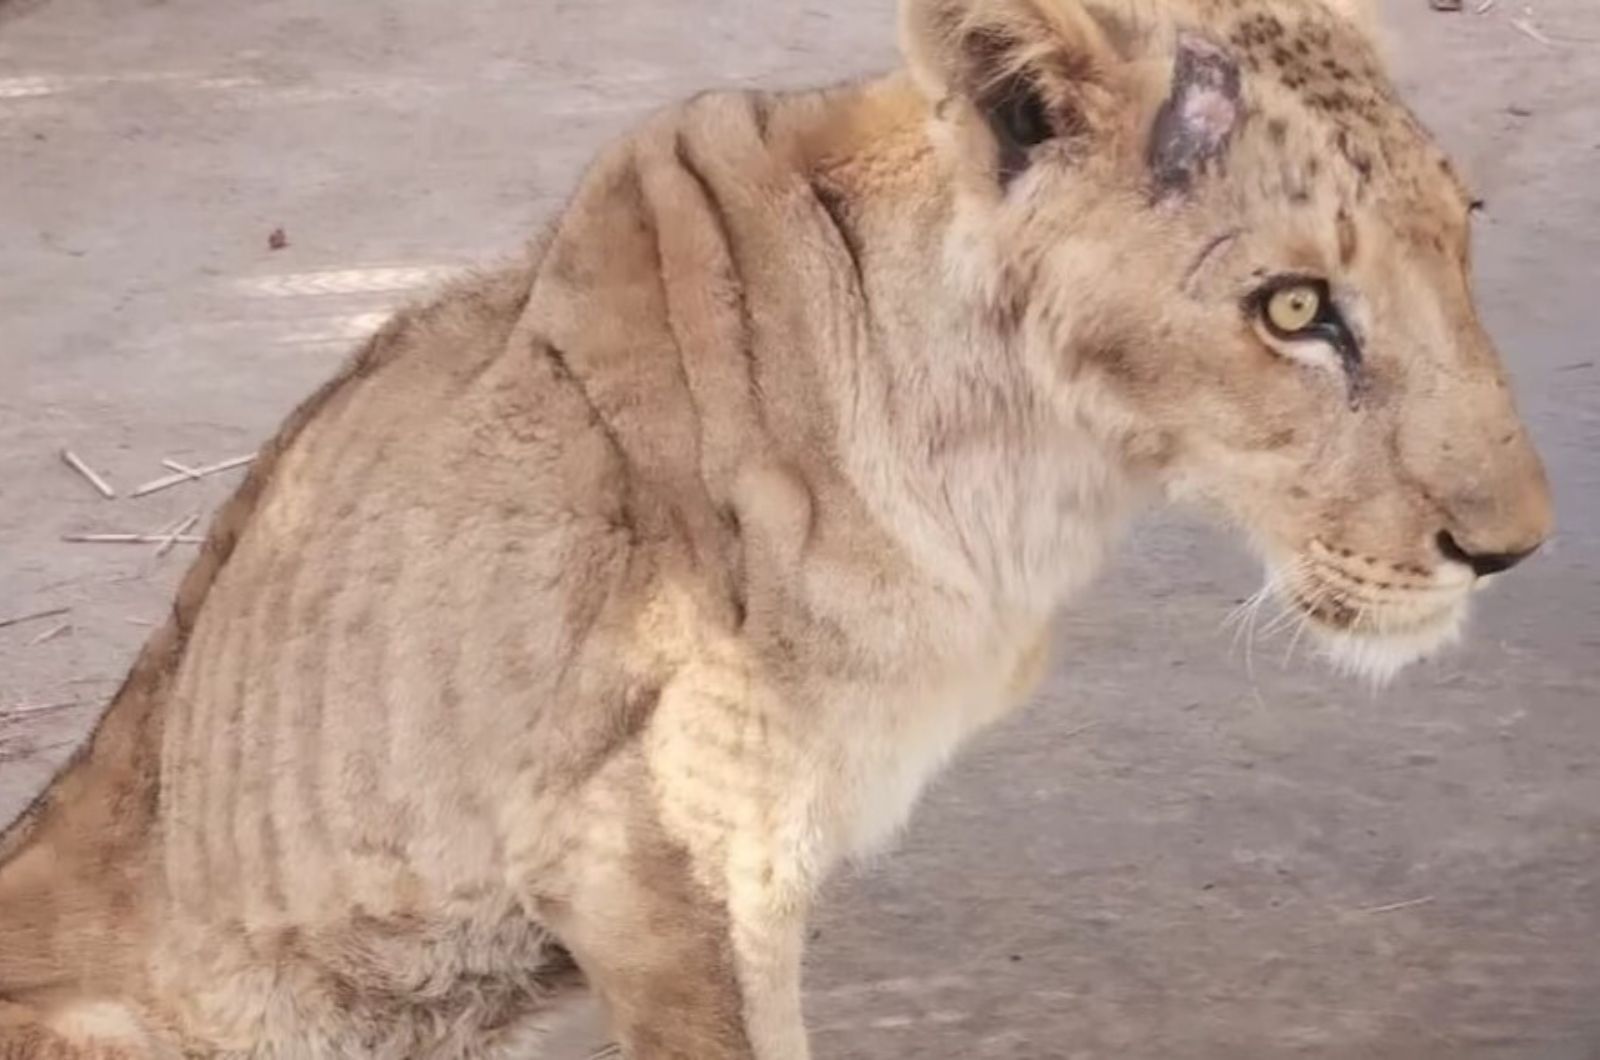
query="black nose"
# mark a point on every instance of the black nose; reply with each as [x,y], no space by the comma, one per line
[1483,564]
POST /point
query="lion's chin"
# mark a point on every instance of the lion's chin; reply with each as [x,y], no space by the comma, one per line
[1379,651]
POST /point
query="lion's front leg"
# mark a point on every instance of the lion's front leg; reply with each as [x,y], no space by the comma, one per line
[768,929]
[686,949]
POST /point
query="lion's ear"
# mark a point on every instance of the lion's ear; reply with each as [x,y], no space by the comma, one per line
[1195,123]
[1027,68]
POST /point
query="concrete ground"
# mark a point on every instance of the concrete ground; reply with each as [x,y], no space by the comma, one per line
[1183,850]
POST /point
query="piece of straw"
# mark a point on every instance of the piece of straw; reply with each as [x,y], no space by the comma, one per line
[1528,29]
[19,619]
[182,469]
[88,473]
[176,532]
[1393,906]
[129,539]
[29,710]
[190,474]
[50,634]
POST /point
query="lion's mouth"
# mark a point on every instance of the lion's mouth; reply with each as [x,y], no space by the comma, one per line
[1377,618]
[1335,613]
[1368,617]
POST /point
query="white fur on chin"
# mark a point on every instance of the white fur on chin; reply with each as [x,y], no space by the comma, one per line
[1379,657]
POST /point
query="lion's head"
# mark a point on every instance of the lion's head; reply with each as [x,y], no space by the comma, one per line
[1218,219]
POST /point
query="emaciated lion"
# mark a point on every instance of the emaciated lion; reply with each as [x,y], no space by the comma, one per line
[579,628]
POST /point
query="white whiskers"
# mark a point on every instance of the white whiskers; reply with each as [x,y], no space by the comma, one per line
[1372,643]
[1279,588]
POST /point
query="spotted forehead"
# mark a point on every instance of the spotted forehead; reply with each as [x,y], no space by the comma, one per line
[1330,77]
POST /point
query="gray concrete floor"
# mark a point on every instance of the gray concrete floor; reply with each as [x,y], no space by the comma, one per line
[1179,851]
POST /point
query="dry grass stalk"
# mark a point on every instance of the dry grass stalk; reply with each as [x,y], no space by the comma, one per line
[31,616]
[129,539]
[1393,906]
[182,469]
[75,463]
[33,710]
[190,474]
[50,634]
[176,532]
[1529,30]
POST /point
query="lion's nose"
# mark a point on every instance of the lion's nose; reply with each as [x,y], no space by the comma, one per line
[1483,564]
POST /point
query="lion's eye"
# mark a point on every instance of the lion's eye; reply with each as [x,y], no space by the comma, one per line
[1293,309]
[1300,314]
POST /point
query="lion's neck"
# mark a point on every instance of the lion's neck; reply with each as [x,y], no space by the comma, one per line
[943,433]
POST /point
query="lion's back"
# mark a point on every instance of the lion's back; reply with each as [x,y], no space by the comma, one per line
[392,627]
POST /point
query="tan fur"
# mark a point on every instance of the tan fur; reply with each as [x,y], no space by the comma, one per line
[599,609]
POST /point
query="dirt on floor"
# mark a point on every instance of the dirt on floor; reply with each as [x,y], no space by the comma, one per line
[1184,849]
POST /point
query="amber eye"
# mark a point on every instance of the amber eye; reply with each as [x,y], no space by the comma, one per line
[1299,313]
[1292,309]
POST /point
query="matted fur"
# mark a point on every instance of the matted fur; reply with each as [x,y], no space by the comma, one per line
[597,610]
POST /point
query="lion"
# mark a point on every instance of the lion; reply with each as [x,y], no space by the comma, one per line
[600,608]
